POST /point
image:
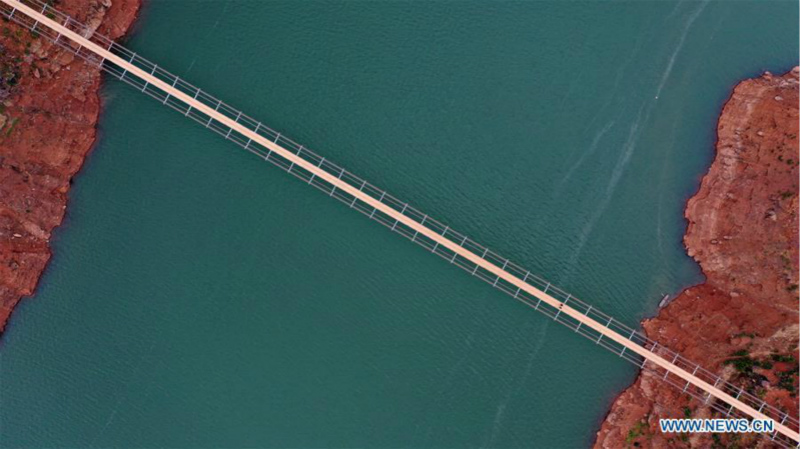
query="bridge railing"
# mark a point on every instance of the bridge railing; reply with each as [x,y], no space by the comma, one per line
[402,207]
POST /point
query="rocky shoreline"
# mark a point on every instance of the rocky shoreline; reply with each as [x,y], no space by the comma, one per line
[743,231]
[49,107]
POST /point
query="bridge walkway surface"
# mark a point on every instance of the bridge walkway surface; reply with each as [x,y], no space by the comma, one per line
[397,215]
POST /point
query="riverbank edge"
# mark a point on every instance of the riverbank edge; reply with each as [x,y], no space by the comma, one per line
[50,109]
[633,415]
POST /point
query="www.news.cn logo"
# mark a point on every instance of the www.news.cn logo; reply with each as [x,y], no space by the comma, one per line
[717,425]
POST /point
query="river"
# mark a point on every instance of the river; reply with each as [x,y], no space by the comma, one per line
[198,297]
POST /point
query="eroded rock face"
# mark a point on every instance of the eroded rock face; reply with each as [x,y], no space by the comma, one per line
[743,231]
[50,106]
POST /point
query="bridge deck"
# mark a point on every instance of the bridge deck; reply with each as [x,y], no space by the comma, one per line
[398,216]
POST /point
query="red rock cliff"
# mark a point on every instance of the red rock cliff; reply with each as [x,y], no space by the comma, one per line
[49,106]
[743,231]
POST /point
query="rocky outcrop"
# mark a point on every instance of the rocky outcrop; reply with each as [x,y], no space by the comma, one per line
[743,231]
[48,113]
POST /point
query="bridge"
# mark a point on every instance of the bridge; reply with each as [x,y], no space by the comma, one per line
[399,216]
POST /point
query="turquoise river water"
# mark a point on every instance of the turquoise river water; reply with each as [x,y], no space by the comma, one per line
[201,298]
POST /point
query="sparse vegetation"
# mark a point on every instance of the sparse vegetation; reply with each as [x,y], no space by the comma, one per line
[745,334]
[786,381]
[9,75]
[637,431]
[782,358]
[10,126]
[742,364]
